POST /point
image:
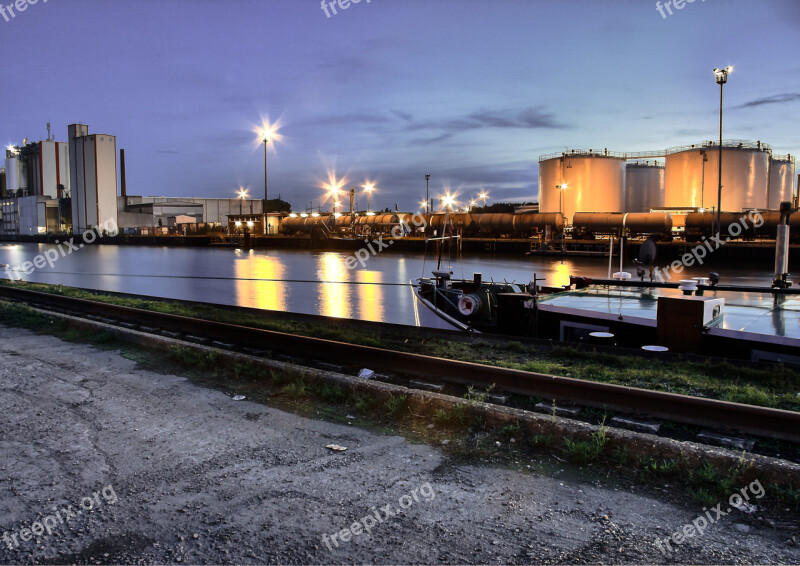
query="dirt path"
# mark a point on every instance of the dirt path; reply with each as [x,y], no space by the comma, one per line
[173,473]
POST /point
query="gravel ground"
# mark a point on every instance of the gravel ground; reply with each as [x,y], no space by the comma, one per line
[174,473]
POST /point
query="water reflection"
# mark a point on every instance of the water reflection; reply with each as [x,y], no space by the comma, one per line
[334,298]
[561,273]
[270,295]
[370,297]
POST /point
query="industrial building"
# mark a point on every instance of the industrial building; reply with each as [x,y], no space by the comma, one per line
[686,180]
[93,178]
[40,175]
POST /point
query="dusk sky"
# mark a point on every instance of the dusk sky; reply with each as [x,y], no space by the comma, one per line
[469,91]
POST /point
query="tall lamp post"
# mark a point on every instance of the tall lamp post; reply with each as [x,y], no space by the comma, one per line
[721,76]
[242,196]
[484,195]
[266,135]
[368,188]
[561,188]
[427,198]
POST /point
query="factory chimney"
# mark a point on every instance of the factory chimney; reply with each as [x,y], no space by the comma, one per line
[123,183]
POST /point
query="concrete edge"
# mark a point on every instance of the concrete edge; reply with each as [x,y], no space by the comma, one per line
[425,402]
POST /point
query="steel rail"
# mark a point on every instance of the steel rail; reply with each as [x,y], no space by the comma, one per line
[698,411]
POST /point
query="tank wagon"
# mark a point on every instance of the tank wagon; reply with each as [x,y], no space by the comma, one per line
[740,225]
[589,225]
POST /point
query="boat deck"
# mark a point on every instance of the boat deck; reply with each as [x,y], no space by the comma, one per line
[748,312]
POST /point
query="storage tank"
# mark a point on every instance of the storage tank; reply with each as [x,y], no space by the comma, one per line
[12,173]
[595,182]
[692,175]
[781,180]
[644,186]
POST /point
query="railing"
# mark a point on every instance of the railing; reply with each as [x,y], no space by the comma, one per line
[743,144]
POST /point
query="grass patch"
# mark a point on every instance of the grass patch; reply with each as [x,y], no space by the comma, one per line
[776,386]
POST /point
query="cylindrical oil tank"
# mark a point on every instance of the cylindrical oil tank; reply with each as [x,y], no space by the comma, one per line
[691,178]
[781,180]
[595,182]
[344,220]
[734,224]
[495,223]
[12,173]
[644,186]
[461,221]
[612,223]
[526,222]
[292,225]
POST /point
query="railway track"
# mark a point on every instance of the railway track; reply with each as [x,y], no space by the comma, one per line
[697,411]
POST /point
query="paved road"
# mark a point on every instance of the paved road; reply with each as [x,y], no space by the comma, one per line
[111,464]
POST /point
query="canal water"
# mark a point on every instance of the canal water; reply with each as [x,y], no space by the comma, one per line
[303,281]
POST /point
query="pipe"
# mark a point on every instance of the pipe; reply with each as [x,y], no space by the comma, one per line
[782,249]
[610,254]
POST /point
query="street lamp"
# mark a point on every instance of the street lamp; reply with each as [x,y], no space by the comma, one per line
[368,188]
[562,187]
[266,136]
[484,195]
[471,204]
[448,200]
[242,196]
[721,76]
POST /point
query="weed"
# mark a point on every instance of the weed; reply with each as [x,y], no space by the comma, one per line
[396,405]
[442,417]
[363,402]
[621,456]
[330,393]
[511,430]
[584,451]
[660,470]
[294,389]
[544,441]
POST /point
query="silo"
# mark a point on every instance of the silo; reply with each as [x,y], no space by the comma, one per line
[644,186]
[595,182]
[12,173]
[692,175]
[781,180]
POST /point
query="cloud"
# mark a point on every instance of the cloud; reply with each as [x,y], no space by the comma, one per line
[776,99]
[526,119]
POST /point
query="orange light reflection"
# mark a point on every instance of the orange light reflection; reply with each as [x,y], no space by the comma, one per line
[370,297]
[269,295]
[334,298]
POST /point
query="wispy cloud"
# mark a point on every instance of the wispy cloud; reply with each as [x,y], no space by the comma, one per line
[776,99]
[527,119]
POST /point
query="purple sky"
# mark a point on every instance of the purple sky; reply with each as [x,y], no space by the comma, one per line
[469,91]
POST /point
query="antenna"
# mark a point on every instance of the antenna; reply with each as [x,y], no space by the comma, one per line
[49,138]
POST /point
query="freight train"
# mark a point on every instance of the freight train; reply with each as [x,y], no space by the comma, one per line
[586,225]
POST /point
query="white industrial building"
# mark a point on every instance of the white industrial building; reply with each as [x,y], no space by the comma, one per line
[93,178]
[140,211]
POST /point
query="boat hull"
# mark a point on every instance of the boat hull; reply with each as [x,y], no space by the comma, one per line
[426,315]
